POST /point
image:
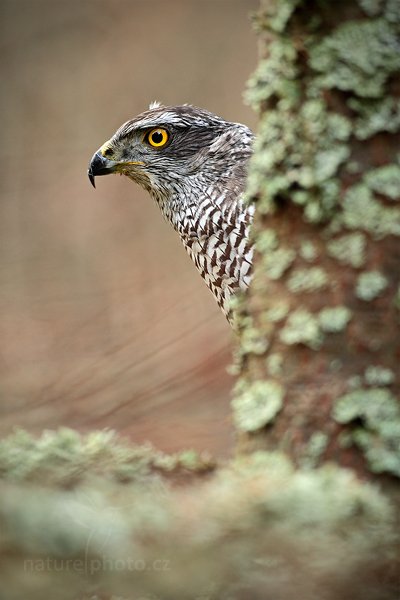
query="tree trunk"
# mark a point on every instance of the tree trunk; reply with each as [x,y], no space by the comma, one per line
[319,342]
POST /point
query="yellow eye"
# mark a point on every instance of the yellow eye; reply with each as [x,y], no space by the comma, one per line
[157,137]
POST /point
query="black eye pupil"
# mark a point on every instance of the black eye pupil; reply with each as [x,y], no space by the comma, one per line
[157,137]
[108,152]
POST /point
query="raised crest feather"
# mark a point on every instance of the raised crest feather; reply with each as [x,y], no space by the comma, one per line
[154,104]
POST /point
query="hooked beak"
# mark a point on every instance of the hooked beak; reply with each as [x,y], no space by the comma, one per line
[99,165]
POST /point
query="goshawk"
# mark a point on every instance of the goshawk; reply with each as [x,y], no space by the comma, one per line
[193,163]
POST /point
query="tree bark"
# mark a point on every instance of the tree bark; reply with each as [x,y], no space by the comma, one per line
[319,342]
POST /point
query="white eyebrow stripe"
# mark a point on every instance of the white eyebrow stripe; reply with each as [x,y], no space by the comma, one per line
[160,119]
[151,121]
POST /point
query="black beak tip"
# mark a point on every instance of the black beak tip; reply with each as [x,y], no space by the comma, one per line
[99,165]
[91,178]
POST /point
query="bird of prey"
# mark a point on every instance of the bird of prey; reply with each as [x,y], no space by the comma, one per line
[194,164]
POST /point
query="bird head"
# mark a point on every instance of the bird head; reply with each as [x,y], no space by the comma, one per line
[166,145]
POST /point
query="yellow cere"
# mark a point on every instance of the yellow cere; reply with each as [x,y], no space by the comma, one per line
[106,146]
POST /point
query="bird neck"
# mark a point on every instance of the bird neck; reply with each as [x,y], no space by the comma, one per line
[200,202]
[210,186]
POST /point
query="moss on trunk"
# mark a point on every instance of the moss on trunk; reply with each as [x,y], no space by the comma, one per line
[322,312]
[95,518]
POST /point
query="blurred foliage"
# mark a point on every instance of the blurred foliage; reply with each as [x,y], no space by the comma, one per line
[255,528]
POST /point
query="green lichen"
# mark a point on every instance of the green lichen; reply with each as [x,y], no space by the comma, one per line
[307,280]
[308,251]
[84,541]
[334,319]
[362,211]
[274,364]
[253,341]
[323,496]
[385,181]
[266,241]
[275,15]
[237,360]
[66,452]
[358,57]
[319,208]
[192,460]
[372,7]
[335,365]
[66,457]
[301,151]
[301,144]
[314,450]
[354,382]
[275,313]
[302,327]
[374,405]
[274,76]
[353,167]
[389,8]
[276,262]
[256,404]
[381,449]
[374,116]
[392,12]
[348,249]
[370,285]
[378,376]
[379,436]
[298,156]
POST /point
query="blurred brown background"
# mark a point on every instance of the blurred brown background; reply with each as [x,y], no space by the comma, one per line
[104,322]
